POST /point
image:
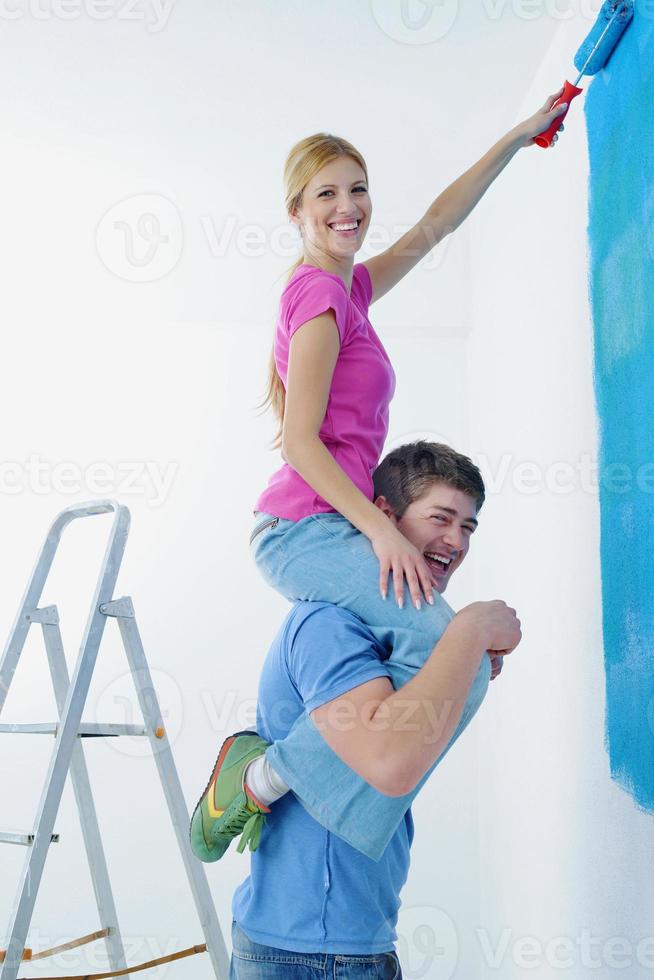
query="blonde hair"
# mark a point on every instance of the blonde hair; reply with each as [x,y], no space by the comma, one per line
[303,162]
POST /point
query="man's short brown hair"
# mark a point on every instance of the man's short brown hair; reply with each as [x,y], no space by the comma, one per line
[407,472]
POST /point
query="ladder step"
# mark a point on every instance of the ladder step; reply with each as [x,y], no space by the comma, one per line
[15,837]
[86,729]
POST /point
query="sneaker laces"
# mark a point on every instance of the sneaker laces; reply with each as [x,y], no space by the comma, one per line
[249,824]
[252,831]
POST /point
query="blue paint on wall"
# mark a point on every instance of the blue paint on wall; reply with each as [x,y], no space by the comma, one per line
[620,118]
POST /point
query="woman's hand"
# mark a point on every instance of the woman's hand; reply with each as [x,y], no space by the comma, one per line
[541,121]
[396,554]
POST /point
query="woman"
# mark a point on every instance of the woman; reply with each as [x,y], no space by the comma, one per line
[318,535]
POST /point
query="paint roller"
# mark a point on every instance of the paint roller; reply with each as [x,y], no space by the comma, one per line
[612,21]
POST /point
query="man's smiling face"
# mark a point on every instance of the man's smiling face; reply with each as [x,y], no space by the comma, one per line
[439,523]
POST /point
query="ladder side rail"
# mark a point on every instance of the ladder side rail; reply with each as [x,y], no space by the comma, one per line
[173,793]
[35,860]
[87,813]
[30,600]
[65,739]
[40,572]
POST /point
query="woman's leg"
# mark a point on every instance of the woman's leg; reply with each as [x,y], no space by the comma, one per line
[325,558]
[337,797]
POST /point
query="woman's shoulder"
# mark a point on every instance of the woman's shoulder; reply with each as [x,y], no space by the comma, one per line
[310,286]
[311,276]
[308,292]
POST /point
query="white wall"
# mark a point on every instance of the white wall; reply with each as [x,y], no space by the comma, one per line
[106,368]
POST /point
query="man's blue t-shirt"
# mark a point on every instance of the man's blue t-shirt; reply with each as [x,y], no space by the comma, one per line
[308,890]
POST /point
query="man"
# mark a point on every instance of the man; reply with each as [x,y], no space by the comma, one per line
[309,892]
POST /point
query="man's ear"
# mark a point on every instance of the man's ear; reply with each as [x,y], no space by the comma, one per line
[384,506]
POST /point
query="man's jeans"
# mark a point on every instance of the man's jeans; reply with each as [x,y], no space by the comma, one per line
[251,961]
[323,557]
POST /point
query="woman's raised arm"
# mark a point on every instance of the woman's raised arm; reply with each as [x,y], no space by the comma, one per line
[453,206]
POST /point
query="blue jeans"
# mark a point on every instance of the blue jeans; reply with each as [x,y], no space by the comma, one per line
[251,961]
[323,557]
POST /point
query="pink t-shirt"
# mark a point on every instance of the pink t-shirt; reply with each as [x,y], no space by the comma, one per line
[356,421]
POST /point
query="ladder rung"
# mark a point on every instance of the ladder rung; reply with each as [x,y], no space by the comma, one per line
[86,729]
[27,955]
[15,837]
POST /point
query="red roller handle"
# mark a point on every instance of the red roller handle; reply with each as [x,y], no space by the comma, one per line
[570,92]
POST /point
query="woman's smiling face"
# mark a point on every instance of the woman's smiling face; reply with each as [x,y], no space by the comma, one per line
[336,196]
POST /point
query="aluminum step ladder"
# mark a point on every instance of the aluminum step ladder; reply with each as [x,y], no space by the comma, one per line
[68,754]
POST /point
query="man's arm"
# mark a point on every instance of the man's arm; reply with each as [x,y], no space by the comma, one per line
[391,738]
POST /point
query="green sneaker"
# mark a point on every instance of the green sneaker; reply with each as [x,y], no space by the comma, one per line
[228,807]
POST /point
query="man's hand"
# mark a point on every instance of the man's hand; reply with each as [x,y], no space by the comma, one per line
[498,629]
